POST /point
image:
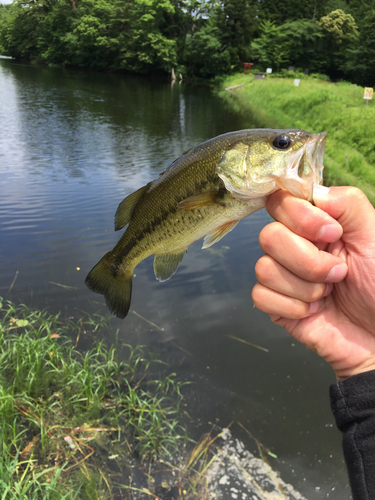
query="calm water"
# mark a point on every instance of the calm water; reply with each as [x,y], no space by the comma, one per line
[72,146]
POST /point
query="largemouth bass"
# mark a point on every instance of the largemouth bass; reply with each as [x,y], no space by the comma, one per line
[204,193]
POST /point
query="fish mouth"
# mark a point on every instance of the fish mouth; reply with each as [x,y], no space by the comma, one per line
[315,154]
[305,168]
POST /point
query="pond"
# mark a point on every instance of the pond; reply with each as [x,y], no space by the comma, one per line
[73,144]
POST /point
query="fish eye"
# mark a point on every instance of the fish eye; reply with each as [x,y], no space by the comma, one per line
[281,142]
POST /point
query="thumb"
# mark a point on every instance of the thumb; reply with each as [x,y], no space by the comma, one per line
[352,209]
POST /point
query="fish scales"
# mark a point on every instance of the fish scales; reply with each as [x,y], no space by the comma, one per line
[204,193]
[158,209]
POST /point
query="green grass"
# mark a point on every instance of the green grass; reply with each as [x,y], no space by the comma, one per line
[317,105]
[72,423]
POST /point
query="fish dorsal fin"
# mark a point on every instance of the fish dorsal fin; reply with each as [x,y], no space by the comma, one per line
[210,198]
[166,265]
[183,154]
[125,209]
[218,233]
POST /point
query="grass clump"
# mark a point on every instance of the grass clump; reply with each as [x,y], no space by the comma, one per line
[72,423]
[317,105]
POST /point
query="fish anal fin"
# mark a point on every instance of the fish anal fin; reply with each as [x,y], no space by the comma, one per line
[126,207]
[166,265]
[210,198]
[218,233]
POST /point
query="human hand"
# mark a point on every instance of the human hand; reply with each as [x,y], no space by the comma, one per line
[317,279]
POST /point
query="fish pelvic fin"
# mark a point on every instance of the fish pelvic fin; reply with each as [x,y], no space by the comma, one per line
[126,207]
[167,264]
[218,233]
[116,287]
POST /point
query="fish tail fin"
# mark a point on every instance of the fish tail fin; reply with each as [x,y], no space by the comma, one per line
[116,287]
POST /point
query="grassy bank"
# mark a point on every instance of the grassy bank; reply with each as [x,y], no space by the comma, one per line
[78,424]
[317,105]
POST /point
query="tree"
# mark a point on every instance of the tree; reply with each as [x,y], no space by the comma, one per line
[340,28]
[89,41]
[358,63]
[272,47]
[281,11]
[19,30]
[147,43]
[208,37]
[237,21]
[341,35]
[205,55]
[52,32]
[304,37]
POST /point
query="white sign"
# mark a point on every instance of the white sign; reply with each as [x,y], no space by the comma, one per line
[296,82]
[269,70]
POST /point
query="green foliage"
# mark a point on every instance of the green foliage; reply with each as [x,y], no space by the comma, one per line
[340,34]
[358,59]
[60,406]
[332,5]
[293,42]
[200,38]
[272,47]
[204,55]
[130,35]
[304,37]
[282,11]
[146,44]
[340,27]
[237,21]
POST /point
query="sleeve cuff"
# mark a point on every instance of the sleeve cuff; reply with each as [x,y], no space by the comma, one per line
[353,399]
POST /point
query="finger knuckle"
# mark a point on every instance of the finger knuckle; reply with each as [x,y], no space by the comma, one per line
[298,309]
[356,193]
[316,292]
[269,235]
[256,296]
[263,268]
[316,270]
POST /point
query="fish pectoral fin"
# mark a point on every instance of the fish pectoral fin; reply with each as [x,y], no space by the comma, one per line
[218,233]
[125,209]
[166,265]
[210,198]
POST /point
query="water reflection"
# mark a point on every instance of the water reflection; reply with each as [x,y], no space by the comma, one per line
[72,146]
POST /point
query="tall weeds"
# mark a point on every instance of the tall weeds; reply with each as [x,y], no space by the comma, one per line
[70,420]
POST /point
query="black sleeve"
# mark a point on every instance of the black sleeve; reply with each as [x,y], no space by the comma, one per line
[353,405]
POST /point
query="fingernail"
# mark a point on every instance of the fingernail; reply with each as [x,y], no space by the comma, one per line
[314,307]
[329,233]
[320,191]
[337,273]
[328,290]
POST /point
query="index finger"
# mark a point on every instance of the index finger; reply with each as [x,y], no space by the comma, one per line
[301,217]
